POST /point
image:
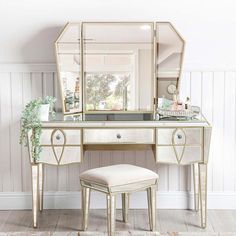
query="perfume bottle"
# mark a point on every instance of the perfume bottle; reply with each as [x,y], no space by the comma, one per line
[175,100]
[77,90]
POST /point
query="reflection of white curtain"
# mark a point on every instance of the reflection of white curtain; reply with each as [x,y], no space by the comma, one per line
[69,62]
[77,59]
[70,80]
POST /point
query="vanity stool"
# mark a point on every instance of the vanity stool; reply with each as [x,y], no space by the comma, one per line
[116,179]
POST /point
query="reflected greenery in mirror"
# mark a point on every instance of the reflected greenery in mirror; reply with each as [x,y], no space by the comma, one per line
[107,91]
[71,88]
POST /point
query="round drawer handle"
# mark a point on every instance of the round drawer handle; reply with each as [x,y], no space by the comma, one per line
[179,136]
[58,137]
[118,136]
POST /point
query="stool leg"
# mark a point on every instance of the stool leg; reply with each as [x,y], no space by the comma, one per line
[85,206]
[111,210]
[151,196]
[125,206]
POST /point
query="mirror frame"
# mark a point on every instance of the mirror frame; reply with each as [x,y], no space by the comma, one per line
[154,67]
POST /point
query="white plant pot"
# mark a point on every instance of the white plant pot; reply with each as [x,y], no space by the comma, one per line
[44,112]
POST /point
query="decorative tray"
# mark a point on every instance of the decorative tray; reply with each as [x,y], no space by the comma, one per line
[177,113]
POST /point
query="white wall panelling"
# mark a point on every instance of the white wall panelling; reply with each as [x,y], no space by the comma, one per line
[213,91]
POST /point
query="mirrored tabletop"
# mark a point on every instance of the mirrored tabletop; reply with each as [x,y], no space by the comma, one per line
[111,117]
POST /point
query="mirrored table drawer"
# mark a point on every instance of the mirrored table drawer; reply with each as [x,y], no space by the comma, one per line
[179,136]
[61,136]
[183,155]
[117,136]
[61,155]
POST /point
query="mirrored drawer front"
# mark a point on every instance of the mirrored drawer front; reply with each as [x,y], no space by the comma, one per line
[60,155]
[59,136]
[116,136]
[179,136]
[179,155]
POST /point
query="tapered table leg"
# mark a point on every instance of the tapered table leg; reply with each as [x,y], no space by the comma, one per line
[85,206]
[151,196]
[196,186]
[203,193]
[125,206]
[149,207]
[111,214]
[41,183]
[35,187]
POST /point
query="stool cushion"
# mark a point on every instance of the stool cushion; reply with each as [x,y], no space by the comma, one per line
[118,175]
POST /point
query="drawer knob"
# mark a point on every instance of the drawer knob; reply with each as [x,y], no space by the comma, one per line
[179,136]
[58,137]
[118,136]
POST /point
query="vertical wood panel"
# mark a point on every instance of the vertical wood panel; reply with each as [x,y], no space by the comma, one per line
[217,131]
[105,158]
[163,172]
[129,157]
[119,157]
[37,84]
[5,93]
[26,96]
[84,165]
[196,88]
[16,152]
[229,131]
[207,105]
[140,158]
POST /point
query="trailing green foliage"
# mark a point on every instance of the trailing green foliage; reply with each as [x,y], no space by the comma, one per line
[30,122]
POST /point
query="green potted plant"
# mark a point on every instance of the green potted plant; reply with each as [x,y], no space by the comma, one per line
[35,112]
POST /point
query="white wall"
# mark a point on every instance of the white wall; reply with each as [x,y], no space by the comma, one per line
[29,28]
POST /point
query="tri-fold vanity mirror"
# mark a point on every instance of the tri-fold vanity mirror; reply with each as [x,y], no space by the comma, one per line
[118,67]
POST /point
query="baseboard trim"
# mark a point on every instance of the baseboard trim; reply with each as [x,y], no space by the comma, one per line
[71,200]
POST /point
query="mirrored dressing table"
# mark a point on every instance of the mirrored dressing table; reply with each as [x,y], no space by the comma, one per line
[111,75]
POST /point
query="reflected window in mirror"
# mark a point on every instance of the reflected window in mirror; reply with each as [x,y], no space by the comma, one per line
[122,54]
[109,91]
